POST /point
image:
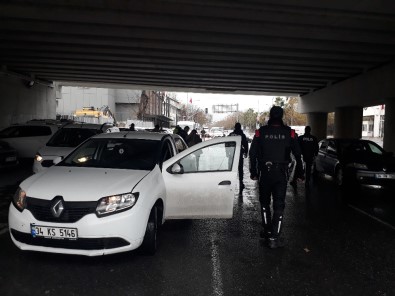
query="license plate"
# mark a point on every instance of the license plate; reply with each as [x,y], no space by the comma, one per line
[54,232]
[10,159]
[385,176]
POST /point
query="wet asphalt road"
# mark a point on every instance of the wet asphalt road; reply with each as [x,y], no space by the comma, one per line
[333,248]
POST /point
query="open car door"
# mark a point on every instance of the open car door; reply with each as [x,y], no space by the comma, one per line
[200,181]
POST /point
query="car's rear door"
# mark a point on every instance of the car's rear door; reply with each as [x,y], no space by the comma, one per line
[200,181]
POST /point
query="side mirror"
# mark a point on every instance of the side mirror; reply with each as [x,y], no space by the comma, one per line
[57,160]
[176,169]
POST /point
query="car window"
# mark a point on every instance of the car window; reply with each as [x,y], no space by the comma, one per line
[218,157]
[331,148]
[375,148]
[26,131]
[121,153]
[323,146]
[180,145]
[70,137]
[166,152]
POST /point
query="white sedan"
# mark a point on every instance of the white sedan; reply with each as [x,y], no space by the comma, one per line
[113,192]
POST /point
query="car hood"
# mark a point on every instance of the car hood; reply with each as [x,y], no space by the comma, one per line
[375,162]
[55,151]
[81,184]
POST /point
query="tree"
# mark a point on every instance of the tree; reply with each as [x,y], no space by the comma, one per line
[249,119]
[229,121]
[291,116]
[193,113]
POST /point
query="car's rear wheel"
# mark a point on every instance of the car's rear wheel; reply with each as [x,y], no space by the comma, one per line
[339,176]
[149,245]
[314,172]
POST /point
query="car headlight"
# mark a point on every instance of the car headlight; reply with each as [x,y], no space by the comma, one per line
[116,203]
[19,199]
[38,157]
[357,165]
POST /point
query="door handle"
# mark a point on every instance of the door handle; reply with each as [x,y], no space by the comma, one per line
[225,183]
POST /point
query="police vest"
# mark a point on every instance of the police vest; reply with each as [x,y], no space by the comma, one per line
[275,143]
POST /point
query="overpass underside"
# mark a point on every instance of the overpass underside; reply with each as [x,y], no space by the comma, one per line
[324,51]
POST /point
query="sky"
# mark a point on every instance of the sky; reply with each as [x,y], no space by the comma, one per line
[207,100]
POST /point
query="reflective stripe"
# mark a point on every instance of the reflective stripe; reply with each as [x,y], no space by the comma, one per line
[264,215]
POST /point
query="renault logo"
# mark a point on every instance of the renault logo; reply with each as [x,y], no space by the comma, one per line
[57,208]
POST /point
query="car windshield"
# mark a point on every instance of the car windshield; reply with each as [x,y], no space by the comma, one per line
[132,154]
[70,137]
[359,147]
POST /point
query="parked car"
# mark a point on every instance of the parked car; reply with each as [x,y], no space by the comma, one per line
[114,191]
[27,138]
[352,161]
[8,155]
[65,140]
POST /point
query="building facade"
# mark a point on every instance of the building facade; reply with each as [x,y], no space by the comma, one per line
[146,108]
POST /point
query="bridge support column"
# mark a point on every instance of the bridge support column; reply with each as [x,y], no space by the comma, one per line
[318,122]
[389,124]
[348,122]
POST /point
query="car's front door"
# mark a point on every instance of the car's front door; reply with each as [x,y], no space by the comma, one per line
[200,181]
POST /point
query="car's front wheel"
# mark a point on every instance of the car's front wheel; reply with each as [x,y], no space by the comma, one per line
[339,176]
[149,245]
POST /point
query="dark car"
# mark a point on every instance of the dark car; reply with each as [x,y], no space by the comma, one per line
[8,155]
[353,161]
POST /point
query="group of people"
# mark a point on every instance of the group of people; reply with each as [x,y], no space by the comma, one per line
[191,139]
[270,155]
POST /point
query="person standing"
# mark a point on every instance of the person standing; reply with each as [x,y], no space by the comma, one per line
[243,151]
[270,155]
[193,138]
[309,148]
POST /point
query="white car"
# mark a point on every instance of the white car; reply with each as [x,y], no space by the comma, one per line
[113,192]
[65,140]
[27,138]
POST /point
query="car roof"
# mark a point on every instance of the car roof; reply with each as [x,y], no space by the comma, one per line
[346,140]
[134,135]
[88,125]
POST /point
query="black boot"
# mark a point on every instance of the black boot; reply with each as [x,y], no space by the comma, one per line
[294,184]
[275,241]
[266,232]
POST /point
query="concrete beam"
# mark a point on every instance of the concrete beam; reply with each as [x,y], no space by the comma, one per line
[348,122]
[22,103]
[389,123]
[318,122]
[368,89]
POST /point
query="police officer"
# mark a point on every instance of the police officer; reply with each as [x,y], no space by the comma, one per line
[309,148]
[243,151]
[270,156]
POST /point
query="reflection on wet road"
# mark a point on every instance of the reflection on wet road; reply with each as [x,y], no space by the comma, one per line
[331,249]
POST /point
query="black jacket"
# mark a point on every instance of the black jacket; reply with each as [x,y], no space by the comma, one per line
[274,143]
[244,142]
[308,146]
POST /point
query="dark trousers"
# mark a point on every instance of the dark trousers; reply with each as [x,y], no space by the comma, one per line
[241,171]
[272,186]
[308,164]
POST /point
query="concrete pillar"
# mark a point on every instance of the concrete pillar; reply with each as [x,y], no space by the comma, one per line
[389,124]
[318,122]
[348,122]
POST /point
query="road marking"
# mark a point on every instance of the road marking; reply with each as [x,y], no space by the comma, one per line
[217,278]
[373,217]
